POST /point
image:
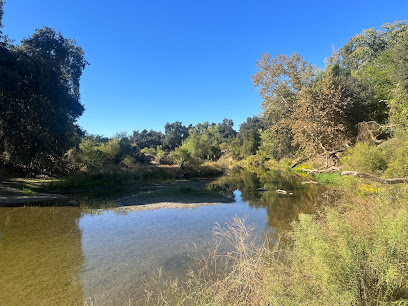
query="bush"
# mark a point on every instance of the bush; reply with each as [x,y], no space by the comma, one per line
[128,161]
[149,151]
[182,155]
[356,257]
[398,158]
[365,157]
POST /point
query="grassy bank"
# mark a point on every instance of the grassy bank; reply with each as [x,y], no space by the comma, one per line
[353,252]
[117,176]
[136,175]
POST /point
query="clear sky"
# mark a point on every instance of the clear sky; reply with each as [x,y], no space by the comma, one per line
[157,61]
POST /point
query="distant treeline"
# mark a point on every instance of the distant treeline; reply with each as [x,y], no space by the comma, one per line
[180,144]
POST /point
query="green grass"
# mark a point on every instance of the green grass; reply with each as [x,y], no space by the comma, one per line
[334,178]
[32,186]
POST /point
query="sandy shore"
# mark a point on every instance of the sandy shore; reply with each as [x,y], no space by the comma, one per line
[164,205]
[139,203]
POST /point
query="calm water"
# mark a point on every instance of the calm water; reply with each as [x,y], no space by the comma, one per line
[65,255]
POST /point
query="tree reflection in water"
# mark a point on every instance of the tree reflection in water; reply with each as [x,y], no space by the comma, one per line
[282,209]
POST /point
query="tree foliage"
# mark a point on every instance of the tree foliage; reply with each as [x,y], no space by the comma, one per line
[319,123]
[174,134]
[280,81]
[147,139]
[249,135]
[376,58]
[319,111]
[226,129]
[399,103]
[1,14]
[39,99]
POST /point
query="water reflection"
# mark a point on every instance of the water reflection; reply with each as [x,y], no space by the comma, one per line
[282,209]
[40,256]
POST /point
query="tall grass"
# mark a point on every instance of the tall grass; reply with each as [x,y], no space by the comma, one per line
[235,277]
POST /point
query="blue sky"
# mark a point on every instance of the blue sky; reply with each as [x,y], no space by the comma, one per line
[154,62]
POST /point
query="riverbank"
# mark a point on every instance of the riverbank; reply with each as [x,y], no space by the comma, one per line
[17,190]
[12,195]
[176,194]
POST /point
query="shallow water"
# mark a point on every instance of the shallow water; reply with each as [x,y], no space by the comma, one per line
[65,255]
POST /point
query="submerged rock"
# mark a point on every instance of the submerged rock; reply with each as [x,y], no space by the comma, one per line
[261,189]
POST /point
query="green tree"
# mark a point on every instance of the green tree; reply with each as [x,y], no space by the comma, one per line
[399,103]
[226,129]
[368,46]
[203,142]
[90,154]
[39,100]
[147,139]
[249,135]
[175,133]
[370,57]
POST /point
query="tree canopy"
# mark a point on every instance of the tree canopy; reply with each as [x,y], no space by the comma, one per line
[39,99]
[174,134]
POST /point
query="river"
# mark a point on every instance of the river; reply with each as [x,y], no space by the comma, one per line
[66,255]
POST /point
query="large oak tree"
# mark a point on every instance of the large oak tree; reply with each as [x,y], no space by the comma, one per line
[39,99]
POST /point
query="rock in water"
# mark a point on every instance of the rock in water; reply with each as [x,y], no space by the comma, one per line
[261,189]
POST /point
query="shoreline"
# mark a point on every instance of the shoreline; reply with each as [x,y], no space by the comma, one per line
[167,205]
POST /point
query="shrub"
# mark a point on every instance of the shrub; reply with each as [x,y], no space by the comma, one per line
[356,257]
[398,158]
[364,157]
[128,161]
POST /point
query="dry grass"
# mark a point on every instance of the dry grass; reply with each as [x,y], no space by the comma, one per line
[233,278]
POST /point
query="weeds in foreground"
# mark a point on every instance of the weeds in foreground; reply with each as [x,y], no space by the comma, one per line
[350,254]
[235,277]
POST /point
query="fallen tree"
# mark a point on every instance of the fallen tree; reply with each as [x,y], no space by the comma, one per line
[375,178]
[355,174]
